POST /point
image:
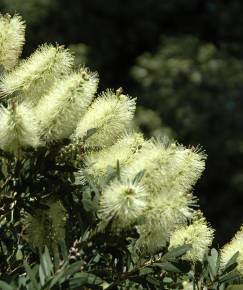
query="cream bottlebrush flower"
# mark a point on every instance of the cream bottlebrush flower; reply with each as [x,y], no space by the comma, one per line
[122,202]
[235,245]
[110,114]
[46,226]
[188,167]
[164,214]
[33,77]
[198,234]
[12,36]
[124,151]
[167,167]
[18,128]
[170,209]
[60,110]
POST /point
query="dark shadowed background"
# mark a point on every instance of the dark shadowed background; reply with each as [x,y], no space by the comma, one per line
[184,61]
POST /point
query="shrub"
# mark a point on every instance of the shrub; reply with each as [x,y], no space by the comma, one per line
[87,202]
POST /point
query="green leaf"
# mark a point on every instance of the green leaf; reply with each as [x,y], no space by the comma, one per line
[19,255]
[168,267]
[83,278]
[213,262]
[145,271]
[176,267]
[89,133]
[110,174]
[59,276]
[138,176]
[229,277]
[231,264]
[46,267]
[235,287]
[5,286]
[73,268]
[153,281]
[118,170]
[177,252]
[64,251]
[31,275]
[167,280]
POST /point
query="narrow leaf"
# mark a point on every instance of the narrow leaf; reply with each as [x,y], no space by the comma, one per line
[229,277]
[5,286]
[83,278]
[31,275]
[73,268]
[138,177]
[232,261]
[177,252]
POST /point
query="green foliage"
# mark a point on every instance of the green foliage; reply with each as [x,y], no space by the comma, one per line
[163,272]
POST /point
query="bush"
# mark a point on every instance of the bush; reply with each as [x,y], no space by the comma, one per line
[87,202]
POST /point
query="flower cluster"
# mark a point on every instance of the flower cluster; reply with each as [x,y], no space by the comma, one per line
[142,185]
[46,100]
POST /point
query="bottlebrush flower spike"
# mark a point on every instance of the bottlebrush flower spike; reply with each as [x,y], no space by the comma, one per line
[124,151]
[123,203]
[235,245]
[110,114]
[18,128]
[189,163]
[167,167]
[164,214]
[12,36]
[171,208]
[198,234]
[60,110]
[33,77]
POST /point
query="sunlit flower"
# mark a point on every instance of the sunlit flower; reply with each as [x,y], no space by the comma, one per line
[235,245]
[59,111]
[18,128]
[123,203]
[33,77]
[12,35]
[124,151]
[171,209]
[167,167]
[164,214]
[198,234]
[110,115]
